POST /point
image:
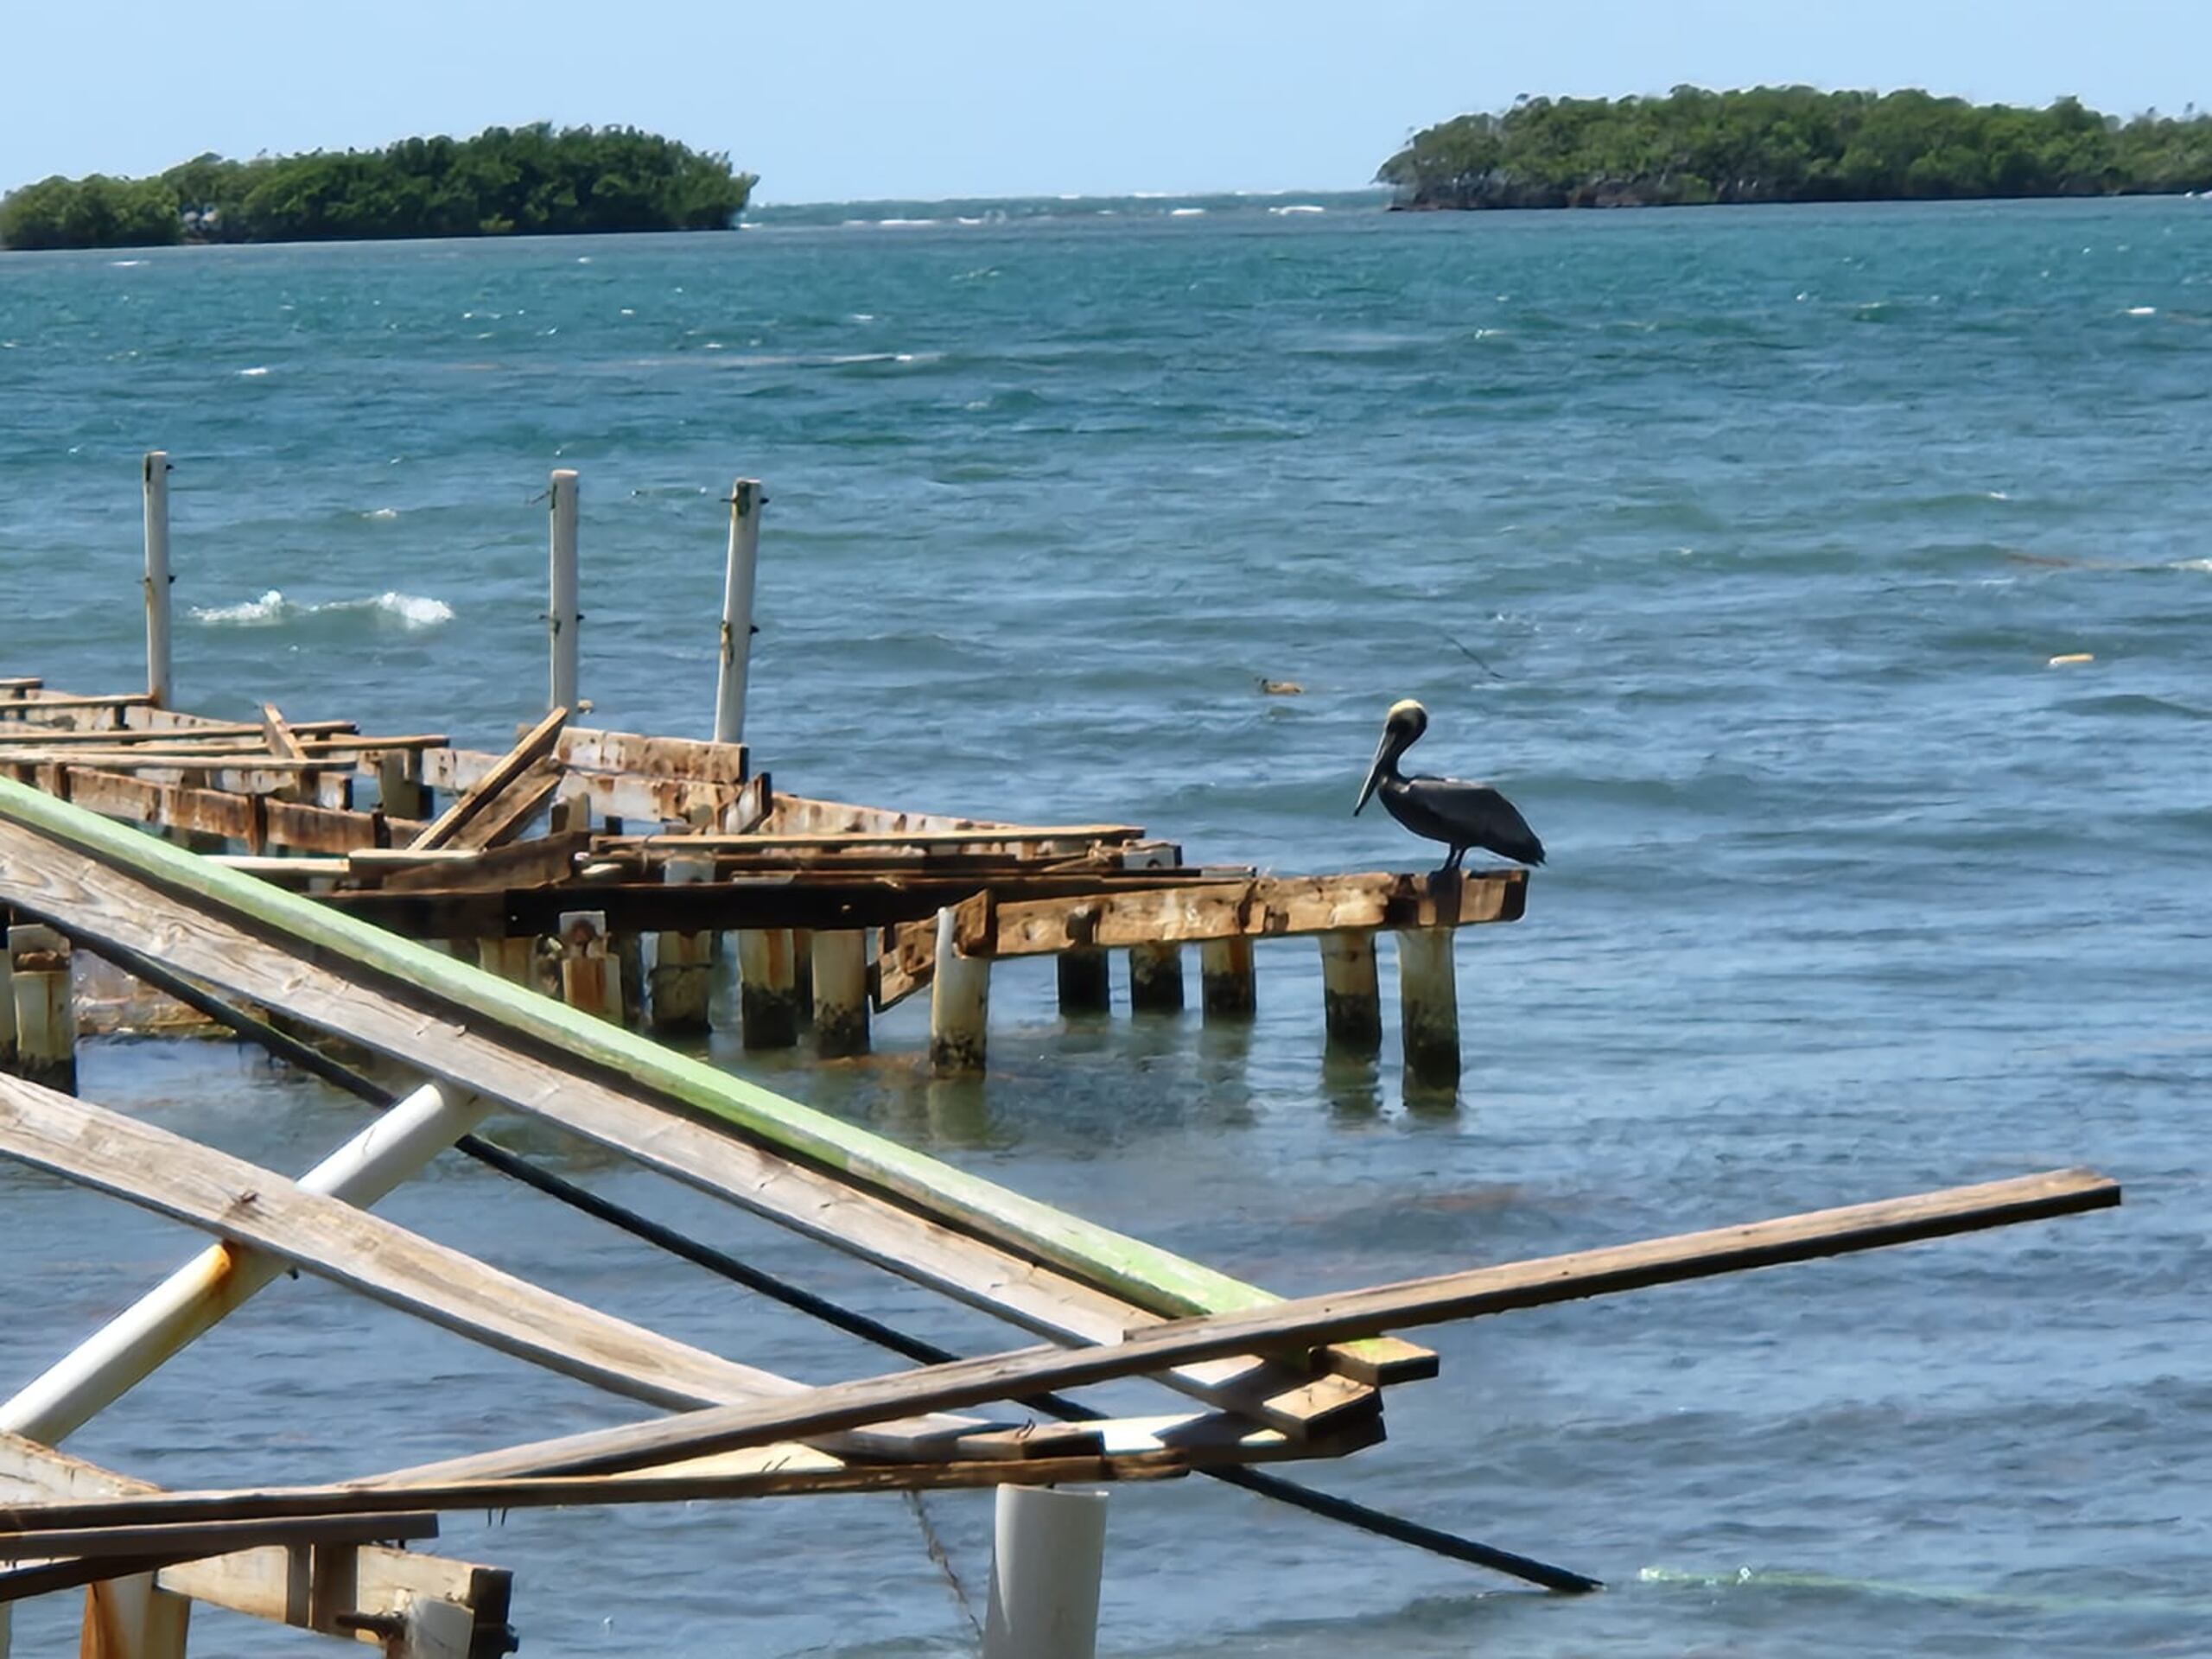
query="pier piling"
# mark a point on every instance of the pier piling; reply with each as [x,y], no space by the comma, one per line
[1226,987]
[1156,978]
[1428,1005]
[45,1011]
[1351,995]
[1048,1553]
[960,1002]
[841,1010]
[591,974]
[1086,981]
[683,962]
[767,987]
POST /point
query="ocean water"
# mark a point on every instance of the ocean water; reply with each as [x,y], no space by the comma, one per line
[1735,544]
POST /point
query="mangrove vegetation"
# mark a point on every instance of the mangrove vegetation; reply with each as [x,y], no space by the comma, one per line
[1792,144]
[531,180]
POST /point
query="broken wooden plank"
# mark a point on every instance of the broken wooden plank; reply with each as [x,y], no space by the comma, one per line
[528,750]
[1076,837]
[509,813]
[1303,1322]
[258,821]
[279,734]
[250,737]
[105,906]
[798,815]
[681,758]
[193,1541]
[260,1583]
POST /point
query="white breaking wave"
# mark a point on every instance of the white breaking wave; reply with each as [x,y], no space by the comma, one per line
[252,374]
[411,613]
[1299,207]
[382,513]
[1185,213]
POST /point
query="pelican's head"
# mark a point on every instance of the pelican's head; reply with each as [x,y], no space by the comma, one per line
[1401,727]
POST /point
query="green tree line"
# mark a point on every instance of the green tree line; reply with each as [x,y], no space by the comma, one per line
[1792,144]
[531,180]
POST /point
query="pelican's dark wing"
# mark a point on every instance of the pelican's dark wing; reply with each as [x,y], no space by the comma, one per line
[1472,815]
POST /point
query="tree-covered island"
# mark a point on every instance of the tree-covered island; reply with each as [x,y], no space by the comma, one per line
[1791,144]
[531,181]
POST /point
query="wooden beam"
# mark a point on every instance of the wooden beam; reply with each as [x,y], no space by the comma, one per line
[1305,1321]
[193,1541]
[103,906]
[798,815]
[257,821]
[57,701]
[509,812]
[627,796]
[260,1583]
[278,733]
[528,749]
[1267,907]
[651,757]
[251,737]
[1080,835]
[245,1204]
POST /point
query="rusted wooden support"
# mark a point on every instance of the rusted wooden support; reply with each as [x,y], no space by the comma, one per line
[960,1003]
[508,771]
[683,973]
[591,974]
[1086,981]
[514,960]
[46,1012]
[841,1014]
[585,749]
[768,988]
[1156,978]
[1225,979]
[1351,995]
[1428,1005]
[399,785]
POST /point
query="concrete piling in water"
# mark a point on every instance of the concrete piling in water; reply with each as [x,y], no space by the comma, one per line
[683,973]
[1351,995]
[1086,981]
[1428,1005]
[767,987]
[841,1004]
[1226,987]
[45,1009]
[591,974]
[960,1003]
[1156,978]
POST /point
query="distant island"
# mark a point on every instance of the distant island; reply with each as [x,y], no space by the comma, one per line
[531,180]
[1791,144]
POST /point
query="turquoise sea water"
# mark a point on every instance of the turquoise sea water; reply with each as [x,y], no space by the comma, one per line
[1735,544]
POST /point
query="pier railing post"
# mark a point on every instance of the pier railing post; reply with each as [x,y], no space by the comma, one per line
[960,1002]
[564,621]
[158,684]
[1428,1005]
[745,500]
[1048,1554]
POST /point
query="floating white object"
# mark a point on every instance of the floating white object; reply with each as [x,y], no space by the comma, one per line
[2072,657]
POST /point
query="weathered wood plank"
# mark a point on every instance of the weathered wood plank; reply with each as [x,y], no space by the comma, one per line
[528,749]
[105,906]
[279,734]
[245,1205]
[183,1540]
[1306,1320]
[257,1582]
[653,757]
[1268,907]
[510,811]
[258,821]
[252,737]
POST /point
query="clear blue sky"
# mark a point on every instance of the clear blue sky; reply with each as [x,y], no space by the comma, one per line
[835,100]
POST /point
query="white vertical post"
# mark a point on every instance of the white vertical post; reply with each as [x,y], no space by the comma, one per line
[563,622]
[129,1348]
[960,1002]
[157,576]
[841,993]
[745,501]
[1428,1005]
[1048,1554]
[683,974]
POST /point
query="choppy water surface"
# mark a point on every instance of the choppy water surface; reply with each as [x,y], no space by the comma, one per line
[1764,526]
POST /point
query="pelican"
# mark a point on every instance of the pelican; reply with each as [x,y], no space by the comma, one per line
[1450,810]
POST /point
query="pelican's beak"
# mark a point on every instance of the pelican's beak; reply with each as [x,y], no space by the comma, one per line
[1374,770]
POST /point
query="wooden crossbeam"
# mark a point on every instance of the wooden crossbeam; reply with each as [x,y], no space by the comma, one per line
[184,1540]
[475,1050]
[510,769]
[249,738]
[278,733]
[653,757]
[1305,1321]
[259,821]
[245,1205]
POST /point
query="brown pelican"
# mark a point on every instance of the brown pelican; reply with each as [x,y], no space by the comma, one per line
[1450,810]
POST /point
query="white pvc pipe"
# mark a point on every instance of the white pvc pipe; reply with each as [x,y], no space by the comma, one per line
[1048,1554]
[157,576]
[131,1346]
[564,621]
[745,501]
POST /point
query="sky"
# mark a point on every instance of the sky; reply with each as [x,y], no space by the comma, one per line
[848,99]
